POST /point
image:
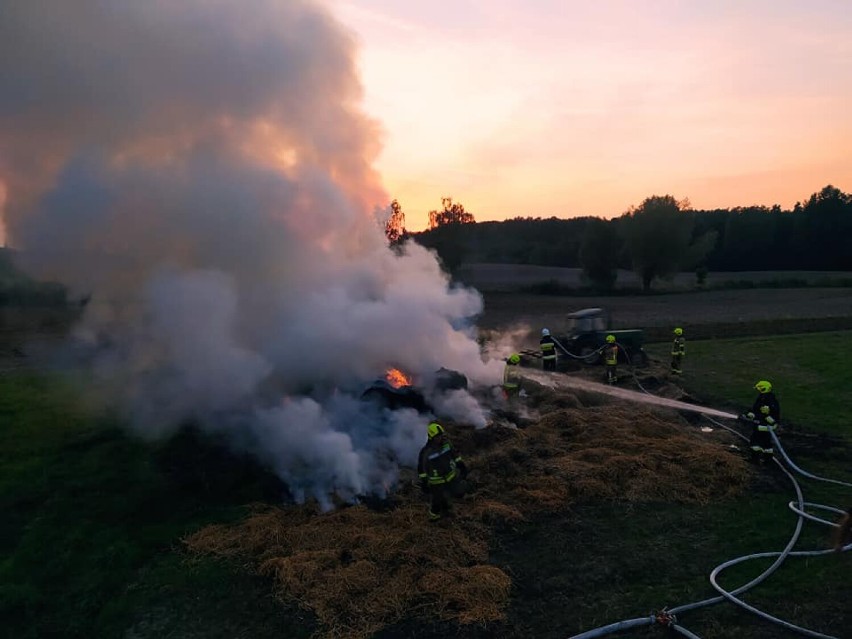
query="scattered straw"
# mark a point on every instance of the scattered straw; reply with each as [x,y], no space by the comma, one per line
[359,570]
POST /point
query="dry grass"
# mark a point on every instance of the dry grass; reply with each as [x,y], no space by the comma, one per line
[359,570]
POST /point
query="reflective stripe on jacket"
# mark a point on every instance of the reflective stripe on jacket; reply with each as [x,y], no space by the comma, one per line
[548,347]
[511,376]
[769,400]
[437,462]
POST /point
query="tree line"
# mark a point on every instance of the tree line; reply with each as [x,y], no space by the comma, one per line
[659,237]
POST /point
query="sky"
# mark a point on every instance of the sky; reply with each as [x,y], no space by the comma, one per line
[561,108]
[564,108]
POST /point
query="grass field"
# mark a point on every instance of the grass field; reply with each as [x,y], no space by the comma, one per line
[802,369]
[92,523]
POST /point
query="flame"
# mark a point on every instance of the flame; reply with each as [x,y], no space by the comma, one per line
[397,378]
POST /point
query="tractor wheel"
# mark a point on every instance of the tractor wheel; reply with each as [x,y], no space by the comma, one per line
[639,359]
[589,354]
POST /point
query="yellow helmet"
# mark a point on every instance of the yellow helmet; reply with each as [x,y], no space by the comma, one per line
[514,358]
[678,331]
[763,386]
[434,429]
[610,339]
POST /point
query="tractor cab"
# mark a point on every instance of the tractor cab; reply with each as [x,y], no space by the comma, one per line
[586,331]
[587,321]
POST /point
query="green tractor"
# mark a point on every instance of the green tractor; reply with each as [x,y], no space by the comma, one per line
[585,333]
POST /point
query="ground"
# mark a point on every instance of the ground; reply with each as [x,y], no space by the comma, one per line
[602,549]
[505,310]
[511,277]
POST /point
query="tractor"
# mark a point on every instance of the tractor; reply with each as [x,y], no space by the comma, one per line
[586,330]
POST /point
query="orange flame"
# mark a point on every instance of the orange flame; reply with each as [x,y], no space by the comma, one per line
[397,378]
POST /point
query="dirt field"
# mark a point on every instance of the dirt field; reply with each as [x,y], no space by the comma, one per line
[504,310]
[705,314]
[511,277]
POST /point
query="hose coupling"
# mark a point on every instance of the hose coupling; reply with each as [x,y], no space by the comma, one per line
[664,617]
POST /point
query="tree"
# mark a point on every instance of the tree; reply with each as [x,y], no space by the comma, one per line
[658,235]
[749,239]
[395,224]
[599,253]
[701,272]
[828,219]
[452,213]
[446,233]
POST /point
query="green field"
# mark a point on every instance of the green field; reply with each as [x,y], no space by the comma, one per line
[92,523]
[809,373]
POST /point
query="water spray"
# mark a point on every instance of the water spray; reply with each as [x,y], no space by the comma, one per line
[567,382]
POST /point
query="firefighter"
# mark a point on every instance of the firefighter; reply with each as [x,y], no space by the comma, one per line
[764,416]
[548,350]
[512,376]
[678,351]
[440,467]
[611,359]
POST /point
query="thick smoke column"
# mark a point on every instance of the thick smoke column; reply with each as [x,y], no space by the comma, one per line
[202,169]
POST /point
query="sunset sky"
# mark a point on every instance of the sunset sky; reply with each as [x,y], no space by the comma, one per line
[557,108]
[512,107]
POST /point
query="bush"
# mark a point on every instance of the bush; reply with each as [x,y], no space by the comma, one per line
[29,293]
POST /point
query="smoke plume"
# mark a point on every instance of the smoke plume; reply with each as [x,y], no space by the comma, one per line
[201,168]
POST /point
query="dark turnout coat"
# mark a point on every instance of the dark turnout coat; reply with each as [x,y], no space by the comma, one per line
[439,462]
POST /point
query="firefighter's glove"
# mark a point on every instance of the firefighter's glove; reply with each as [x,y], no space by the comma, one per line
[764,410]
[749,415]
[770,420]
[463,470]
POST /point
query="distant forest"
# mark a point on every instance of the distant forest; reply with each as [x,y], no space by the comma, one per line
[815,235]
[660,237]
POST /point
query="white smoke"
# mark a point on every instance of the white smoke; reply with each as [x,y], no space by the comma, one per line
[203,170]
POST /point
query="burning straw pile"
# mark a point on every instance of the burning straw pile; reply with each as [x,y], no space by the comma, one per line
[359,570]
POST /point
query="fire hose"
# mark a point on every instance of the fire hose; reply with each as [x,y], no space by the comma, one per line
[668,617]
[583,357]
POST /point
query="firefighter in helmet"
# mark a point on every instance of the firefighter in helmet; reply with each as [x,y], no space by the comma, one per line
[678,351]
[764,416]
[610,353]
[512,376]
[548,350]
[439,467]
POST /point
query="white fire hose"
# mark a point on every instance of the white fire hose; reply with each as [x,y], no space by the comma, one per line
[668,617]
